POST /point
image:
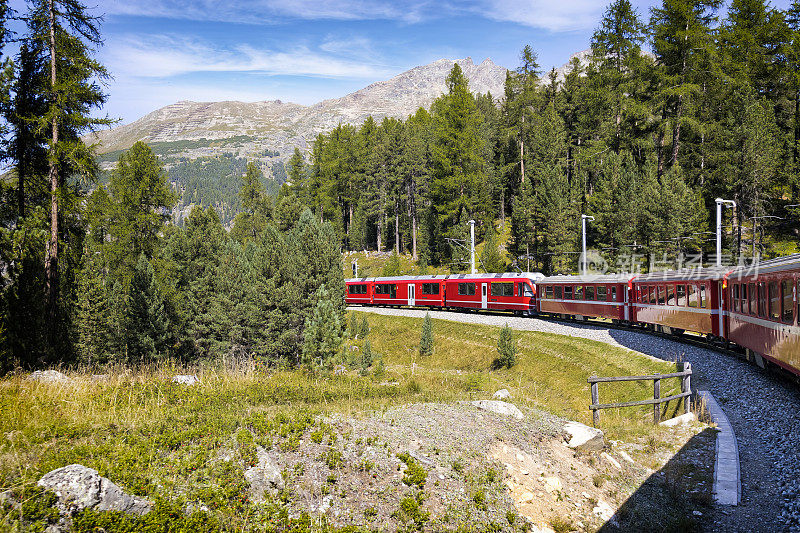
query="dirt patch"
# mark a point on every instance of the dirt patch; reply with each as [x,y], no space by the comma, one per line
[439,466]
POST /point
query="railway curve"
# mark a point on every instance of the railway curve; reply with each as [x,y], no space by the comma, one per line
[765,412]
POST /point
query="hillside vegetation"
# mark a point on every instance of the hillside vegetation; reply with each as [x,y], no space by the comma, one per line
[186,448]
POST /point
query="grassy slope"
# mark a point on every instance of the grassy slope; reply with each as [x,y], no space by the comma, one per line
[159,439]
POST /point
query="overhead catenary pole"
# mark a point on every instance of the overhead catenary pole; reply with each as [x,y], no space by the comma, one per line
[720,202]
[472,246]
[583,254]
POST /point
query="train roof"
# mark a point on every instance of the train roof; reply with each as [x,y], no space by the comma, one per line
[599,278]
[714,273]
[779,264]
[505,275]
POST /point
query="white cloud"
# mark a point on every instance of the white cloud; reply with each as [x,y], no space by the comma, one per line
[556,16]
[165,56]
[267,11]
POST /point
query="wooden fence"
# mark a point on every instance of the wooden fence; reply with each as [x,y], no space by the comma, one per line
[686,392]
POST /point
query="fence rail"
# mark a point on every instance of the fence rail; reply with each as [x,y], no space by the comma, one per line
[686,391]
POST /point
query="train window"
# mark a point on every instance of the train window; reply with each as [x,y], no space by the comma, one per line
[601,293]
[751,289]
[466,289]
[653,294]
[430,288]
[703,296]
[613,294]
[670,295]
[735,297]
[680,294]
[557,292]
[526,290]
[590,292]
[788,301]
[579,292]
[502,289]
[762,299]
[662,295]
[743,298]
[691,295]
[548,292]
[774,300]
[568,292]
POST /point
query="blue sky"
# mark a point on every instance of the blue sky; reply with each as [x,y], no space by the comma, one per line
[163,51]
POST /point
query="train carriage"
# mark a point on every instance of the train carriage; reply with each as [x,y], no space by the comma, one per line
[675,301]
[586,296]
[762,311]
[498,292]
[358,291]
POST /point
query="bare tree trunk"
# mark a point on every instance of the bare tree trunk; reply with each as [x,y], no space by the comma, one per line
[51,253]
[522,161]
[397,230]
[412,215]
[676,133]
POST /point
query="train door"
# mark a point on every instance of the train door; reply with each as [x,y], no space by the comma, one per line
[484,296]
[411,294]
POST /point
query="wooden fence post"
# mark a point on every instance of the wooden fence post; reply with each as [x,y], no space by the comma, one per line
[657,405]
[595,401]
[686,386]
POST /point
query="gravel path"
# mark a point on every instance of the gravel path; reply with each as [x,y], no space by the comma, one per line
[763,410]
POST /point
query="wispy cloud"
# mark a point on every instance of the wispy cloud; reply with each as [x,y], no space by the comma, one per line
[165,56]
[269,11]
[564,15]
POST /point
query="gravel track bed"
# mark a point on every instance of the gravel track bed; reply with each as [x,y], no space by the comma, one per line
[763,409]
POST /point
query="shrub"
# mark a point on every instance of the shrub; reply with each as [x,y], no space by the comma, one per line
[363,331]
[426,341]
[323,332]
[366,358]
[353,325]
[506,348]
[415,475]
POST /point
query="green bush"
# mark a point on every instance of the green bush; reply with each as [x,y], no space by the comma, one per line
[506,349]
[426,341]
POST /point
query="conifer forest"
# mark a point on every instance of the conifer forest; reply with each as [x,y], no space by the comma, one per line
[673,108]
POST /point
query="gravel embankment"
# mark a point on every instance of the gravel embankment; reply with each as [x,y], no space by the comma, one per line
[763,410]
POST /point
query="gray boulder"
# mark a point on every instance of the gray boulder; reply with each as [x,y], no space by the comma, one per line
[502,394]
[582,437]
[79,487]
[49,376]
[501,408]
[264,476]
[185,379]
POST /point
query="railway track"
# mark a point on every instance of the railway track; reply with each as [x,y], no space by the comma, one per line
[765,414]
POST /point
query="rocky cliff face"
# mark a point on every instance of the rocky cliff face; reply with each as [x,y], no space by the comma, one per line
[193,129]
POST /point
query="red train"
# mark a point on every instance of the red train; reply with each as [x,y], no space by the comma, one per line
[756,308]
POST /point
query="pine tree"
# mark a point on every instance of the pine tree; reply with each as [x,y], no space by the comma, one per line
[366,358]
[506,349]
[64,31]
[95,332]
[426,340]
[491,257]
[353,330]
[459,167]
[322,332]
[146,328]
[392,266]
[364,329]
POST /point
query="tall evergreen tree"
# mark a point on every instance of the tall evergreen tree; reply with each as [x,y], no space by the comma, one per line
[146,328]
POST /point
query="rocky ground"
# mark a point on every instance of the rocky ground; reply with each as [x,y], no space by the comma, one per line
[763,408]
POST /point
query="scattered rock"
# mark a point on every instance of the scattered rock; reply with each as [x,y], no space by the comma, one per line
[624,455]
[79,487]
[613,462]
[502,394]
[49,376]
[552,484]
[501,408]
[339,370]
[326,504]
[584,438]
[185,379]
[99,377]
[681,420]
[526,497]
[603,510]
[264,476]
